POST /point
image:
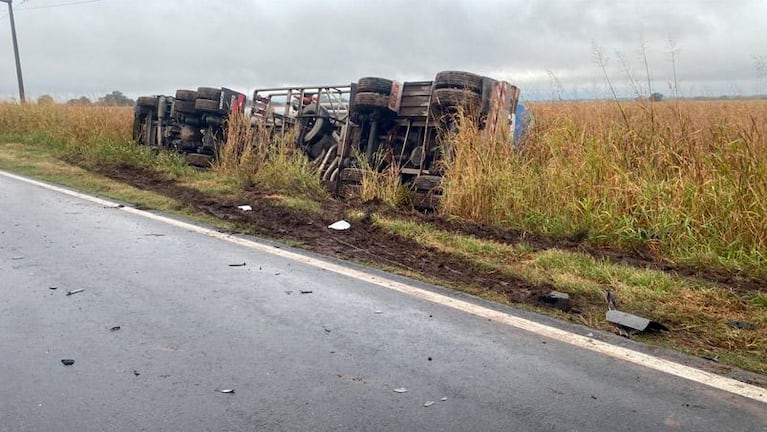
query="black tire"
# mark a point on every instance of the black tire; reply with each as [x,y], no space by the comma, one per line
[186,95]
[320,124]
[352,175]
[209,93]
[427,182]
[182,106]
[147,101]
[366,102]
[207,105]
[448,99]
[458,80]
[374,85]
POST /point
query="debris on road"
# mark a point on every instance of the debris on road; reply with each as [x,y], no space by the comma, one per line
[400,390]
[67,362]
[245,207]
[340,225]
[136,373]
[742,325]
[77,291]
[17,258]
[633,322]
[327,330]
[305,291]
[226,391]
[115,206]
[115,328]
[428,404]
[53,288]
[444,398]
[377,312]
[237,265]
[557,300]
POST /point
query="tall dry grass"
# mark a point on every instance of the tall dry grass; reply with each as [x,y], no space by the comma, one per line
[255,158]
[685,181]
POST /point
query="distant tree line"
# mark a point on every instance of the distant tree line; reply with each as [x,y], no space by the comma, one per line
[116,98]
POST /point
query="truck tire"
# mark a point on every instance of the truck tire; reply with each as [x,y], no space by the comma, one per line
[352,175]
[317,126]
[447,99]
[367,101]
[374,85]
[458,80]
[147,101]
[186,95]
[209,93]
[206,105]
[427,182]
[182,106]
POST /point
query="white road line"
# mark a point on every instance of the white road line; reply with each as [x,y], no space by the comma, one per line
[625,354]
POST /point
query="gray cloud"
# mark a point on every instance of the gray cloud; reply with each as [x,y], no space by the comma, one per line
[158,46]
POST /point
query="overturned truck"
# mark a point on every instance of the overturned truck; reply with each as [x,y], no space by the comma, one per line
[348,130]
[192,122]
[376,123]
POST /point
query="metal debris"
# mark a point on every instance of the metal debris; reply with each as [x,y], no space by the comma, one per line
[77,291]
[634,322]
[115,328]
[557,300]
[305,292]
[400,390]
[742,325]
[340,225]
[428,404]
[237,265]
[226,391]
[67,362]
[245,207]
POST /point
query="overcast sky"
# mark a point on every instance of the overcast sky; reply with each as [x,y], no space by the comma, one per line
[156,46]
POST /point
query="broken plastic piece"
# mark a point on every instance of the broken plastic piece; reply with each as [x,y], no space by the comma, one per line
[428,404]
[340,225]
[227,391]
[305,292]
[444,399]
[79,290]
[67,362]
[743,325]
[558,300]
[237,265]
[634,322]
[245,207]
[400,390]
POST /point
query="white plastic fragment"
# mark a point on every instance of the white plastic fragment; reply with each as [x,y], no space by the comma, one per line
[227,391]
[245,207]
[340,225]
[444,399]
[400,390]
[428,404]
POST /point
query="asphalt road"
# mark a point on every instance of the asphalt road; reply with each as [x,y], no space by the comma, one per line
[191,324]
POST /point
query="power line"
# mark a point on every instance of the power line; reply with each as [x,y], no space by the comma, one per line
[56,5]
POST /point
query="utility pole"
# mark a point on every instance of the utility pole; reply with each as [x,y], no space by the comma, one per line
[22,99]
